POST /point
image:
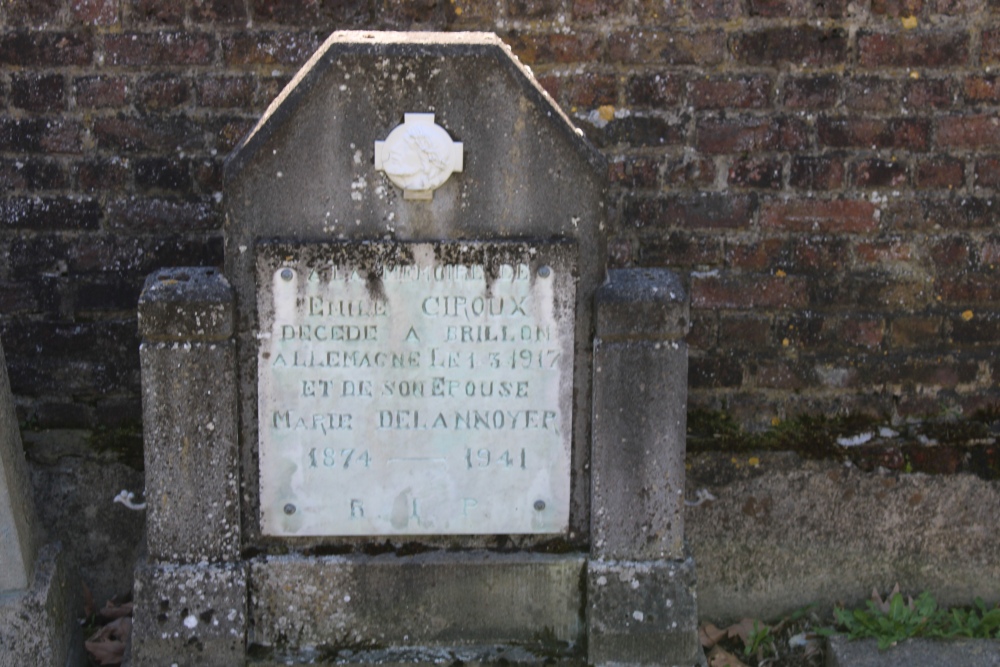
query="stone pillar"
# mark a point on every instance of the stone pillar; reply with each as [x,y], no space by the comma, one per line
[191,592]
[37,625]
[641,597]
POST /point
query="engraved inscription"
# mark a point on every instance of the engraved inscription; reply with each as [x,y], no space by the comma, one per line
[422,397]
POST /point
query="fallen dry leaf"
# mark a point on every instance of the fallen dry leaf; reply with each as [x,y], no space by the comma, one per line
[743,629]
[709,635]
[719,658]
[88,602]
[107,645]
[112,610]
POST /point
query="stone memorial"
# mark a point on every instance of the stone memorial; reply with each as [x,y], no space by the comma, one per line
[414,420]
[37,606]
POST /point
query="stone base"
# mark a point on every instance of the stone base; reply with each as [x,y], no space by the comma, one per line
[467,656]
[38,626]
[643,613]
[189,616]
[335,604]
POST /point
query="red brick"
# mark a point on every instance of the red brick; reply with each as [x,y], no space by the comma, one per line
[811,92]
[704,331]
[874,133]
[913,49]
[846,216]
[38,92]
[748,291]
[40,135]
[785,374]
[159,48]
[162,91]
[897,8]
[743,331]
[658,90]
[816,173]
[598,9]
[915,331]
[34,13]
[714,372]
[864,332]
[878,173]
[50,213]
[588,90]
[922,94]
[410,14]
[982,329]
[976,132]
[940,171]
[960,213]
[711,10]
[990,49]
[532,8]
[99,92]
[799,45]
[798,255]
[637,130]
[634,171]
[688,171]
[222,92]
[797,8]
[157,11]
[740,134]
[103,174]
[950,252]
[667,47]
[96,12]
[968,288]
[742,92]
[988,172]
[220,11]
[954,7]
[31,174]
[657,12]
[208,175]
[884,251]
[46,49]
[297,12]
[269,48]
[979,89]
[876,290]
[138,214]
[146,133]
[462,14]
[162,173]
[226,131]
[941,460]
[680,250]
[539,48]
[870,93]
[989,254]
[704,211]
[756,172]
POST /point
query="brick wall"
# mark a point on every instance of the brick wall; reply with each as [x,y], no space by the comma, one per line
[824,171]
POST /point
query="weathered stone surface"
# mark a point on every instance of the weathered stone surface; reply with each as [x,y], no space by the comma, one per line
[189,616]
[18,531]
[640,417]
[432,599]
[642,613]
[191,451]
[37,625]
[913,653]
[646,304]
[307,173]
[786,532]
[186,303]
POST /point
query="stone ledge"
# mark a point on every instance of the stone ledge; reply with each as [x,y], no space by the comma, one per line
[842,652]
[186,303]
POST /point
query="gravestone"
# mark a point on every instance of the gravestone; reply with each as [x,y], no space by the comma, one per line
[37,625]
[414,419]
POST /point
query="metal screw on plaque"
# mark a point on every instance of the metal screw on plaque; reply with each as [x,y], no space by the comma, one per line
[544,271]
[286,274]
[289,509]
[539,505]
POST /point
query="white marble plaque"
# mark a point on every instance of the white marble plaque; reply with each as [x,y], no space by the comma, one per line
[413,389]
